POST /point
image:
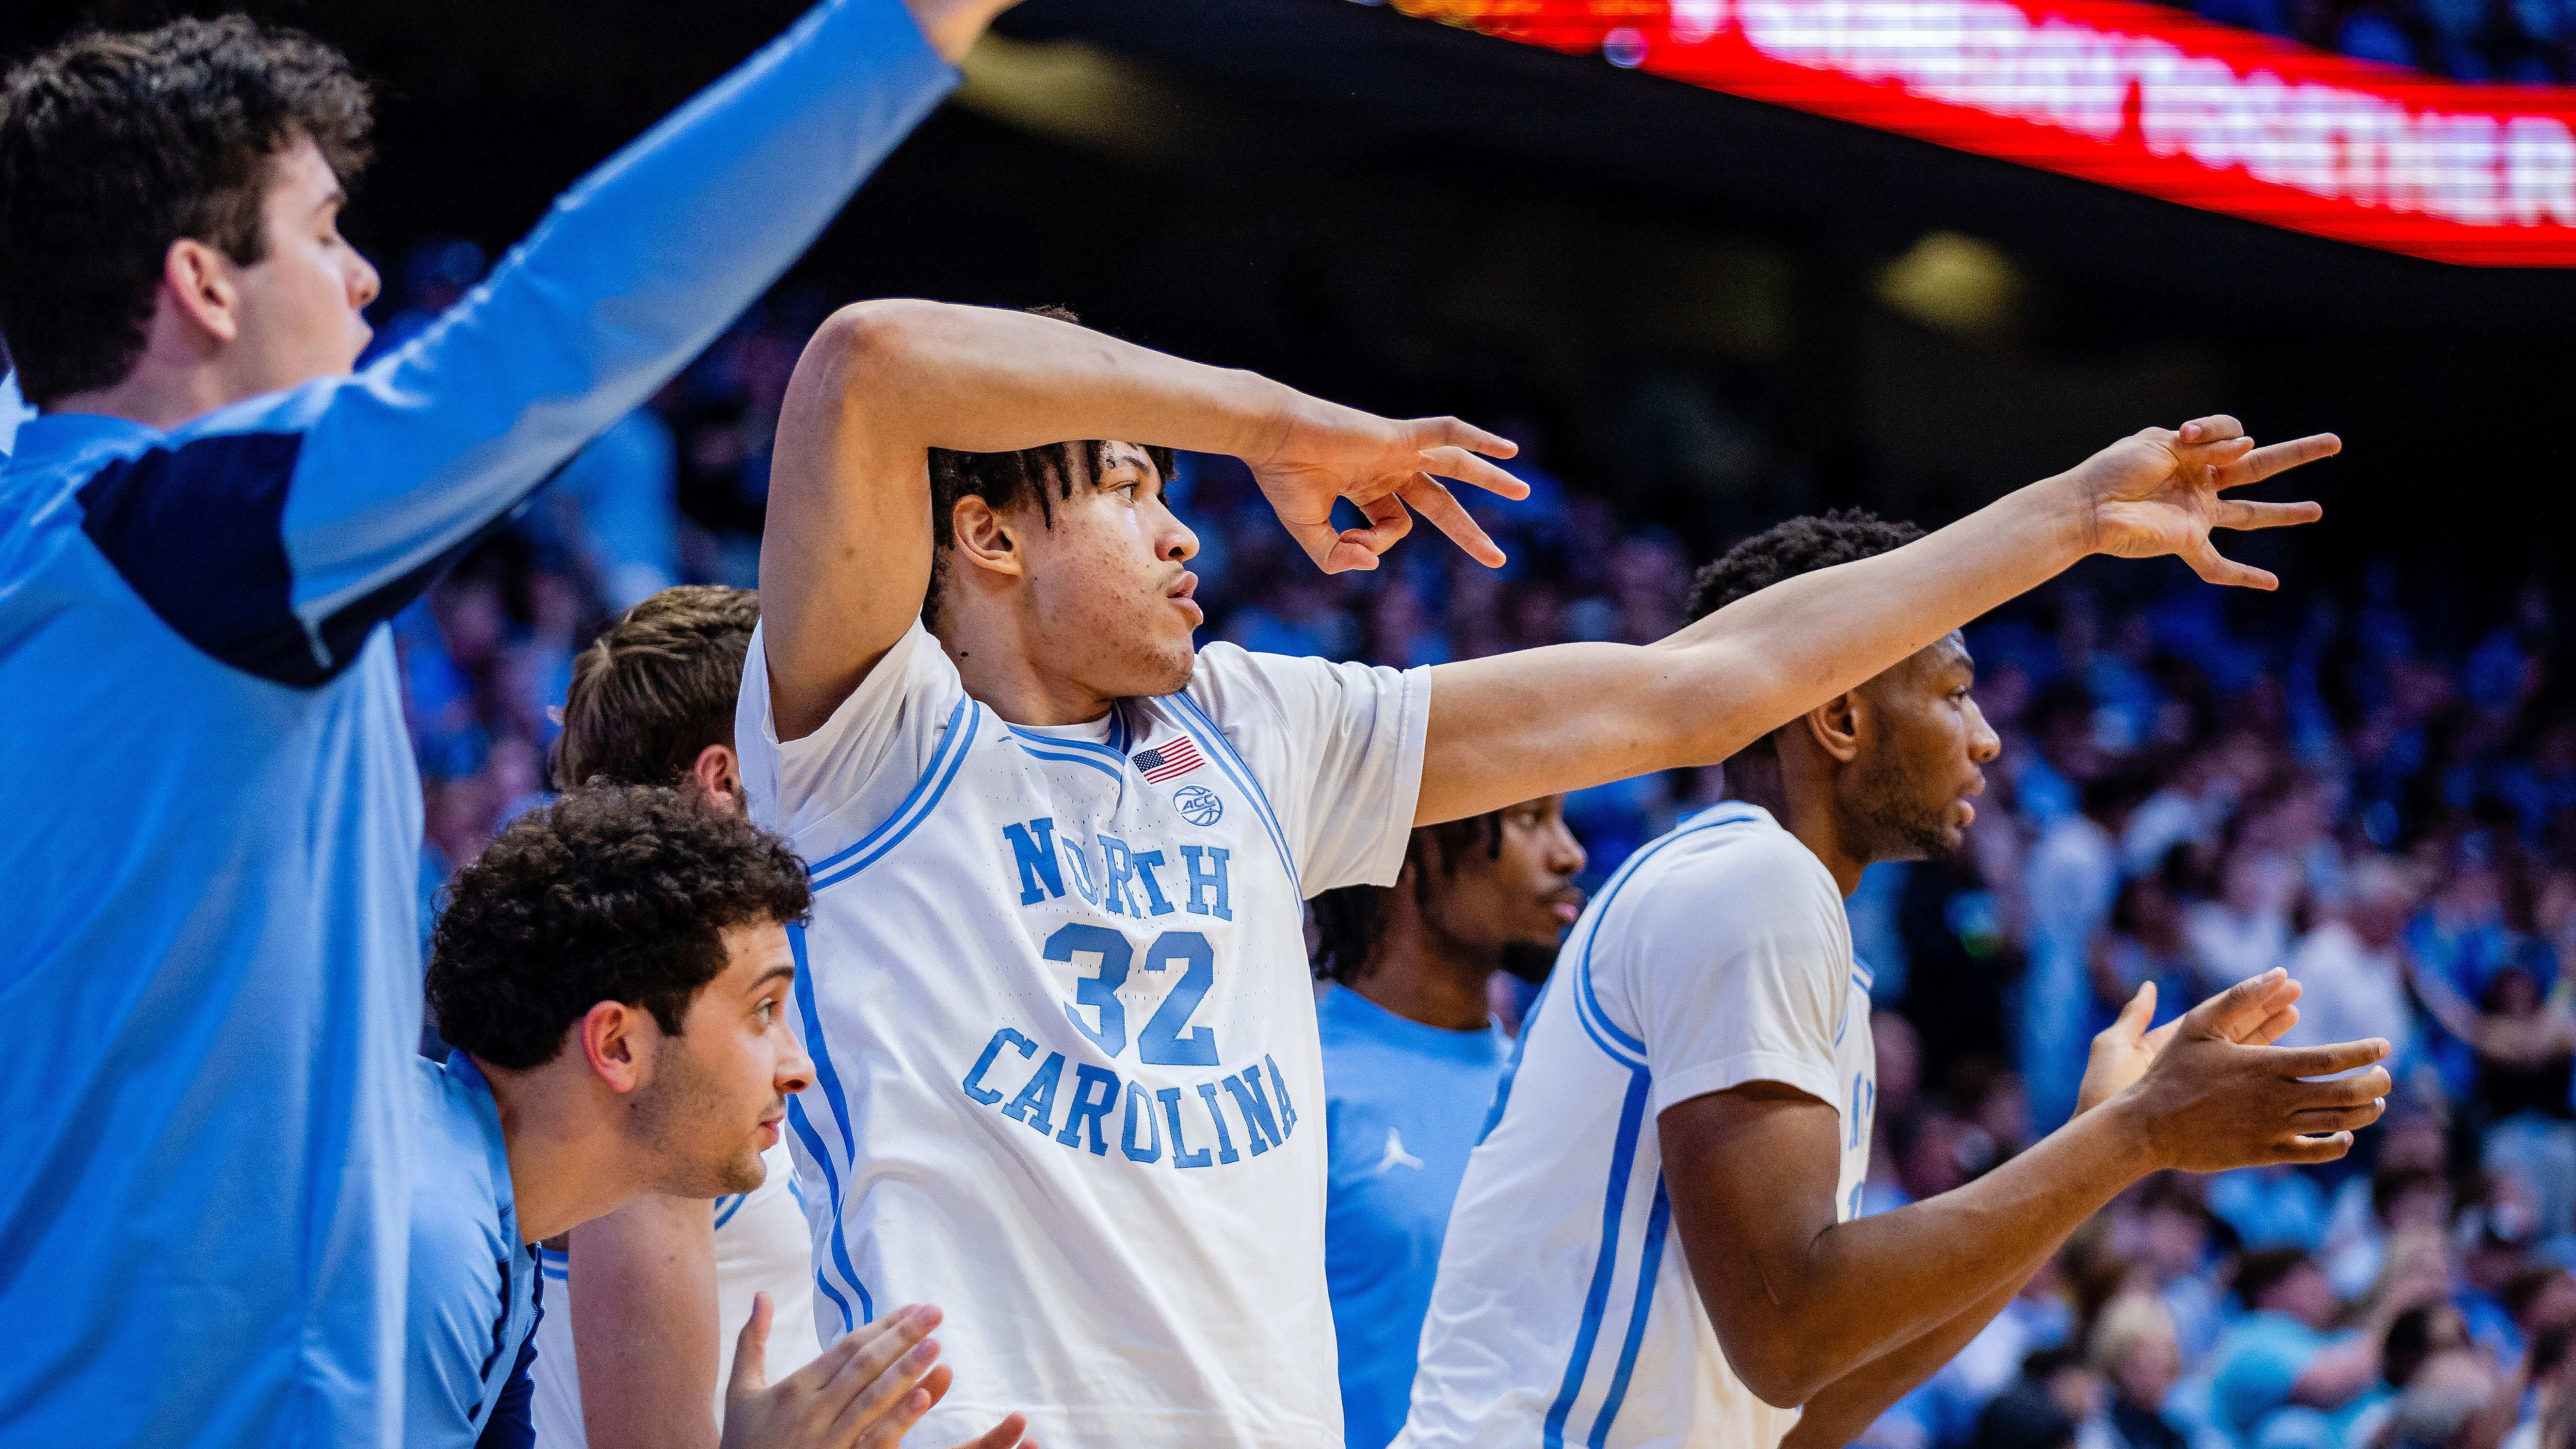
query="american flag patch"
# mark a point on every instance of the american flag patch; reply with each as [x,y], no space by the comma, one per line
[1166,761]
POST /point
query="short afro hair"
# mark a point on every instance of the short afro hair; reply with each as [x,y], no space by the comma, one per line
[612,893]
[1799,546]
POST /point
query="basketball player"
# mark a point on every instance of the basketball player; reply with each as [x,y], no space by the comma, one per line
[1699,1077]
[1412,1055]
[203,534]
[644,1303]
[1066,1070]
[613,971]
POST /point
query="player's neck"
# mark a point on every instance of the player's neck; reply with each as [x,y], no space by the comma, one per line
[1006,674]
[170,384]
[1422,975]
[1798,790]
[566,1167]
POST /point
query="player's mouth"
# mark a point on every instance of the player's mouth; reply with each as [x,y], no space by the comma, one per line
[1567,905]
[1180,593]
[769,1130]
[1967,807]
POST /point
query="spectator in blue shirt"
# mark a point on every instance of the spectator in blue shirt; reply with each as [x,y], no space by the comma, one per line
[614,975]
[2286,1351]
[212,952]
[1412,1056]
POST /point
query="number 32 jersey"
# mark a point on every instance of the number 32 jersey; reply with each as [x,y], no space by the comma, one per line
[1067,1078]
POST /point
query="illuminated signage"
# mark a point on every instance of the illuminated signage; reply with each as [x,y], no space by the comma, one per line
[2130,94]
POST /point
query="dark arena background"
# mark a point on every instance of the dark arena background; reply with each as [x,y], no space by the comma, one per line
[1717,263]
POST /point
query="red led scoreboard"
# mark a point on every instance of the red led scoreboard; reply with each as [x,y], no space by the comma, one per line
[2130,94]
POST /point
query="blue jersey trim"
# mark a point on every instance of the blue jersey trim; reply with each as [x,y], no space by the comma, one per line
[910,798]
[832,1183]
[1114,755]
[1512,1066]
[1659,1221]
[1605,1267]
[830,1079]
[918,805]
[1114,772]
[726,1207]
[1236,768]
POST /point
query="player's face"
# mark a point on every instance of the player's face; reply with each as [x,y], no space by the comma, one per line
[719,1090]
[1524,894]
[1113,585]
[301,304]
[1922,751]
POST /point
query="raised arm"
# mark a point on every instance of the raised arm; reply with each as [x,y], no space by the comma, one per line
[845,553]
[1800,1301]
[1502,730]
[278,532]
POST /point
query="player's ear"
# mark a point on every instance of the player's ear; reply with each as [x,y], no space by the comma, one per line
[984,538]
[197,283]
[1835,725]
[607,1037]
[717,772]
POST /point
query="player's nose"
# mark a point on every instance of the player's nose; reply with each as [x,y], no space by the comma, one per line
[795,1072]
[364,283]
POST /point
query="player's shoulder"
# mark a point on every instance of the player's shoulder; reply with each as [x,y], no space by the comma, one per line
[1741,847]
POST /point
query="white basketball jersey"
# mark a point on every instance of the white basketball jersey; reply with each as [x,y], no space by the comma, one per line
[1564,1313]
[1067,1078]
[761,1247]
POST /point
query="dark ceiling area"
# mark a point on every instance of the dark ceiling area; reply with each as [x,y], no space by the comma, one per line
[1413,217]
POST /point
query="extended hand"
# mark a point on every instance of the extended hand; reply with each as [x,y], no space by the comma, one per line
[2157,493]
[864,1392]
[1327,452]
[2208,1102]
[2256,1013]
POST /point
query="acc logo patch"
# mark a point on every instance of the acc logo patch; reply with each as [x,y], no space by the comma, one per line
[1198,804]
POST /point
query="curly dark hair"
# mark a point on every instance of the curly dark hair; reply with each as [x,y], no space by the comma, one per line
[113,146]
[1046,473]
[612,893]
[656,688]
[1799,546]
[1348,918]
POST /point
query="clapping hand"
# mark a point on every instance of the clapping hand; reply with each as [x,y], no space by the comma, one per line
[2256,1013]
[864,1392]
[2157,492]
[2210,1099]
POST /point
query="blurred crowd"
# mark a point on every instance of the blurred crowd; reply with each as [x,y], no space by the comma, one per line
[2195,787]
[2521,42]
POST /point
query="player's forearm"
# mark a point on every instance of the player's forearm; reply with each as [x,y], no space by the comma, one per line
[645,1334]
[1859,1290]
[1761,661]
[1842,1409]
[981,379]
[635,270]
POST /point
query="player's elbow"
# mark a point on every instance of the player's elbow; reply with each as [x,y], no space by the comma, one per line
[1777,1360]
[875,337]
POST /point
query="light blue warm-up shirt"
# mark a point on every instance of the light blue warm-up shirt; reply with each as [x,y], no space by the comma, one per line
[473,1328]
[1403,1106]
[209,951]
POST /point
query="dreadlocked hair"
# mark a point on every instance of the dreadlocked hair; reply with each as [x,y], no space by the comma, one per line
[1799,546]
[1348,919]
[1005,480]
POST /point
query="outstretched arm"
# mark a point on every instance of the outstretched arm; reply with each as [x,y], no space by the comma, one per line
[1502,730]
[1800,1300]
[845,554]
[275,534]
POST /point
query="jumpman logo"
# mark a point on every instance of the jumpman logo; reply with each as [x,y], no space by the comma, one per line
[1396,1156]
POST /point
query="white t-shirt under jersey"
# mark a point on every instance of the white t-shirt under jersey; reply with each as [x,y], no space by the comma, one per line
[1068,1083]
[761,1247]
[1564,1313]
